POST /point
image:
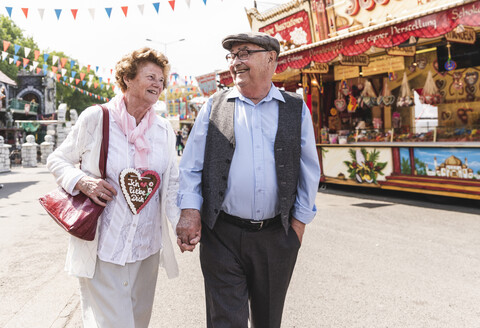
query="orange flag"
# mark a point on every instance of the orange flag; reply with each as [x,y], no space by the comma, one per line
[63,61]
[54,69]
[6,44]
[82,76]
[38,70]
[77,81]
[25,62]
[172,4]
[37,53]
[95,85]
[113,87]
[25,11]
[125,9]
[88,69]
[74,13]
[58,76]
[18,63]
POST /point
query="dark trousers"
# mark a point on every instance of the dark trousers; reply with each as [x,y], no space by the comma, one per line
[242,268]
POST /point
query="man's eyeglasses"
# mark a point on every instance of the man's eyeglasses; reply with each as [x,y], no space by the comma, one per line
[242,54]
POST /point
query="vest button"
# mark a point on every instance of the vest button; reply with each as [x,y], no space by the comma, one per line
[281,166]
[283,183]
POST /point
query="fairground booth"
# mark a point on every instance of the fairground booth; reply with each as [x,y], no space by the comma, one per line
[393,87]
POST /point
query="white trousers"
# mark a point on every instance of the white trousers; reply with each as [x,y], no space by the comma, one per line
[119,296]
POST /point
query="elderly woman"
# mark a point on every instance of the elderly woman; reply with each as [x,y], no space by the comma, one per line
[118,269]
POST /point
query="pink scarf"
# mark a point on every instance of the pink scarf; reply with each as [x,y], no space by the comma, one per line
[135,133]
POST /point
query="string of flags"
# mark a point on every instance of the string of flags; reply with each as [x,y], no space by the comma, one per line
[123,10]
[85,92]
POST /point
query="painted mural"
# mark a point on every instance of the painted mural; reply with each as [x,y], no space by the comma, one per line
[459,163]
[356,164]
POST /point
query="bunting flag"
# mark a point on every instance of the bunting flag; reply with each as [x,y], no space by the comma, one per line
[25,12]
[77,81]
[54,59]
[74,13]
[17,47]
[92,12]
[95,85]
[26,51]
[36,53]
[156,5]
[40,12]
[125,10]
[82,76]
[188,3]
[39,70]
[4,55]
[10,60]
[35,64]
[109,11]
[83,83]
[140,8]
[54,69]
[172,4]
[63,61]
[25,62]
[6,44]
[45,57]
[15,58]
[88,68]
[9,11]
[73,74]
[58,12]
[72,63]
[63,71]
[205,2]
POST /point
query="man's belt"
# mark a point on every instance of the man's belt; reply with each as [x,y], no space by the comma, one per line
[250,225]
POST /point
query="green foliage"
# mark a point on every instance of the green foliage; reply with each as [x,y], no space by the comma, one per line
[365,170]
[65,94]
[405,166]
[420,167]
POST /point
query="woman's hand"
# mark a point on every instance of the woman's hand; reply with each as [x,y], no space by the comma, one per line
[99,190]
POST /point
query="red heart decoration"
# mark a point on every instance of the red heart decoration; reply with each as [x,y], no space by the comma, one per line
[462,114]
[340,104]
[138,188]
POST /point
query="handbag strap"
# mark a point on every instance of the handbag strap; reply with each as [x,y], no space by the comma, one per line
[104,148]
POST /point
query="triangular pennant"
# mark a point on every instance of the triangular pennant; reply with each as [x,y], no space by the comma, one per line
[6,44]
[140,9]
[26,51]
[205,2]
[17,47]
[58,76]
[100,79]
[74,13]
[95,85]
[89,84]
[77,81]
[39,70]
[188,3]
[101,86]
[125,10]
[96,69]
[18,63]
[82,76]
[9,11]
[83,83]
[109,11]
[54,69]
[31,68]
[35,64]
[64,70]
[156,5]
[113,87]
[40,12]
[15,58]
[36,53]
[10,60]
[108,80]
[25,62]
[25,12]
[63,61]
[71,79]
[88,68]
[90,77]
[74,73]
[111,71]
[54,59]
[108,86]
[58,12]
[172,4]
[45,66]
[4,55]
[72,63]
[92,12]
[45,57]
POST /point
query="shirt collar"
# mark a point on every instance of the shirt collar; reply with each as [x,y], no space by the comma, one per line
[274,93]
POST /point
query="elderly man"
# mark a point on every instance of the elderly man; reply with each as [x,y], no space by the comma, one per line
[249,176]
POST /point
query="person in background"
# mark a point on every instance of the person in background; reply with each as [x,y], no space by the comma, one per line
[179,143]
[118,270]
[248,180]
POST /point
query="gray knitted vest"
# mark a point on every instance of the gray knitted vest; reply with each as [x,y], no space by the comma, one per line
[220,146]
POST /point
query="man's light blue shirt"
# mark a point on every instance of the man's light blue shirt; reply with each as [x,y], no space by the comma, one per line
[252,191]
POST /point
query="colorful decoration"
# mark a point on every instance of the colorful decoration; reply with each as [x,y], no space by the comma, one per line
[364,166]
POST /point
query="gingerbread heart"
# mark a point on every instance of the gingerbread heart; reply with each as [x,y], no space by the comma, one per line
[471,78]
[388,100]
[447,115]
[462,114]
[138,188]
[440,84]
[340,104]
[422,63]
[471,89]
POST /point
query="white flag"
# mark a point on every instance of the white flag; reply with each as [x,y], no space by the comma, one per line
[4,55]
[40,12]
[188,3]
[27,51]
[64,70]
[140,8]
[54,60]
[35,64]
[92,12]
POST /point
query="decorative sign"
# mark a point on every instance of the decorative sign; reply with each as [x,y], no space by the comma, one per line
[207,84]
[468,36]
[360,60]
[226,78]
[293,30]
[384,64]
[138,188]
[320,68]
[404,51]
[345,72]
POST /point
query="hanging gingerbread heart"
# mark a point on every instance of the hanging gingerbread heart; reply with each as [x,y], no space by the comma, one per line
[388,100]
[471,89]
[471,78]
[138,187]
[440,84]
[462,114]
[340,104]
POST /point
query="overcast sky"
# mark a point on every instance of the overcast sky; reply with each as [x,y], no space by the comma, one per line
[102,41]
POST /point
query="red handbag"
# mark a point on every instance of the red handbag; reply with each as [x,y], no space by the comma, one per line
[78,215]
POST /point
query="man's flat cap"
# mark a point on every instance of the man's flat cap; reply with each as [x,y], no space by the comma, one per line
[261,39]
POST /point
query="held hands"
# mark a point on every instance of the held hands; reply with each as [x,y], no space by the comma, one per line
[99,190]
[299,228]
[189,229]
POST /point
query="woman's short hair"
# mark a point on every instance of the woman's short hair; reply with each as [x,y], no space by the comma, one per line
[128,65]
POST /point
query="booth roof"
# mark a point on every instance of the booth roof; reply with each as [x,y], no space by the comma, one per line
[5,79]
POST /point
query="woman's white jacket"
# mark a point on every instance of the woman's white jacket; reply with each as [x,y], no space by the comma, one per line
[83,145]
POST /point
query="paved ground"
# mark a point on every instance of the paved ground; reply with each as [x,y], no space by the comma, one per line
[364,262]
